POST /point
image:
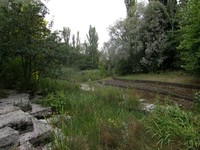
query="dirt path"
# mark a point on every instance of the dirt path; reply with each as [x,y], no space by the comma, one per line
[151,89]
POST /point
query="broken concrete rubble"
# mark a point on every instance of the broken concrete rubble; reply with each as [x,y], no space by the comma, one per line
[40,112]
[21,130]
[41,134]
[17,120]
[8,138]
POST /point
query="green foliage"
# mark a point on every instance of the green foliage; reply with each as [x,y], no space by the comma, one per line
[189,35]
[48,85]
[23,35]
[155,38]
[75,75]
[145,40]
[11,73]
[129,6]
[92,48]
[58,101]
[197,102]
[172,126]
[98,120]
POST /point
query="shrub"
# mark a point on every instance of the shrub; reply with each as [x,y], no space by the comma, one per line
[58,101]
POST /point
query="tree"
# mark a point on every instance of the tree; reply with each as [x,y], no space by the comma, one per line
[189,36]
[23,35]
[92,48]
[155,23]
[66,33]
[78,42]
[129,5]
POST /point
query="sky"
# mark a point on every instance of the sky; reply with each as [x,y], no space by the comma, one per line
[78,15]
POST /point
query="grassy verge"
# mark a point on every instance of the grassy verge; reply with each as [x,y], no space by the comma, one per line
[174,77]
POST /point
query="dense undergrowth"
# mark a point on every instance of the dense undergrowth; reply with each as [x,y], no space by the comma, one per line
[110,118]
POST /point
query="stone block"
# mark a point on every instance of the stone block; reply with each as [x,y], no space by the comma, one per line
[9,138]
[41,134]
[40,112]
[17,120]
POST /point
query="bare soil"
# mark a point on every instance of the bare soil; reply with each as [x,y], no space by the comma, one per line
[153,92]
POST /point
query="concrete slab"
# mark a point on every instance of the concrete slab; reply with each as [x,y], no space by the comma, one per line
[9,138]
[40,112]
[17,120]
[41,134]
[7,109]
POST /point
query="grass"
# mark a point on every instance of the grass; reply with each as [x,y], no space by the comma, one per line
[48,85]
[174,77]
[72,74]
[100,123]
[109,118]
[172,126]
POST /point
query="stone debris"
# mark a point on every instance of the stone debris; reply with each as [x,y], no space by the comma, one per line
[8,138]
[17,120]
[86,87]
[41,134]
[40,112]
[19,127]
[17,99]
[147,107]
[26,146]
[8,109]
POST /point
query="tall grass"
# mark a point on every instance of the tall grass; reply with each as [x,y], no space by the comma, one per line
[103,119]
[48,85]
[174,127]
[72,74]
[109,118]
[98,124]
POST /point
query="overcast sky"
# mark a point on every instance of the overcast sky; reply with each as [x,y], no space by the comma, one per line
[79,14]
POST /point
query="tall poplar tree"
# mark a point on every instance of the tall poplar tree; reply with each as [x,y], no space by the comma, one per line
[92,47]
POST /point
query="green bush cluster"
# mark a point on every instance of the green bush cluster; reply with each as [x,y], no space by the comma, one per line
[58,102]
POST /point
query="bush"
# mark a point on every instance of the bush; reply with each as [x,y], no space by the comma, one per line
[58,101]
[174,127]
